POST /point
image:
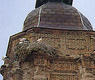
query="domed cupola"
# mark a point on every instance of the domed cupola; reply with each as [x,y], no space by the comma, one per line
[56,14]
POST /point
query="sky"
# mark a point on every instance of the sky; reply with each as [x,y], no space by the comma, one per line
[14,12]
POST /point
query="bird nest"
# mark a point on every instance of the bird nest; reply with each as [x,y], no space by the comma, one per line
[26,48]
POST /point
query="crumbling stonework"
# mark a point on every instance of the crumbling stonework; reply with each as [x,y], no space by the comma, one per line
[38,57]
[57,43]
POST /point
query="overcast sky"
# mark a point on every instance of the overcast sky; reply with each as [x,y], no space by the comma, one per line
[14,12]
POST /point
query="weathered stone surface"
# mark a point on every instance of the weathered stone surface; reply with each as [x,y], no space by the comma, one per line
[41,54]
[65,41]
[57,43]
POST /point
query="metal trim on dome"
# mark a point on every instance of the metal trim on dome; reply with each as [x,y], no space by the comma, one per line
[56,15]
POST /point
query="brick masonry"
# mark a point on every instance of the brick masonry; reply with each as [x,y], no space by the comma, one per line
[42,54]
[57,43]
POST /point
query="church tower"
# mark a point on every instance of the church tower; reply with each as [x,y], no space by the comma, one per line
[57,43]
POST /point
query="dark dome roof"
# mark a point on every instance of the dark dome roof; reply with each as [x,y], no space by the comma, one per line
[57,16]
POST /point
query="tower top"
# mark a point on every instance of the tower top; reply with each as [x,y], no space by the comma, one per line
[41,2]
[56,15]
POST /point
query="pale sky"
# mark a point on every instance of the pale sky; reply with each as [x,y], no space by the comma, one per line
[14,12]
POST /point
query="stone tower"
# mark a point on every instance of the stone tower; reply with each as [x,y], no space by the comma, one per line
[57,43]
